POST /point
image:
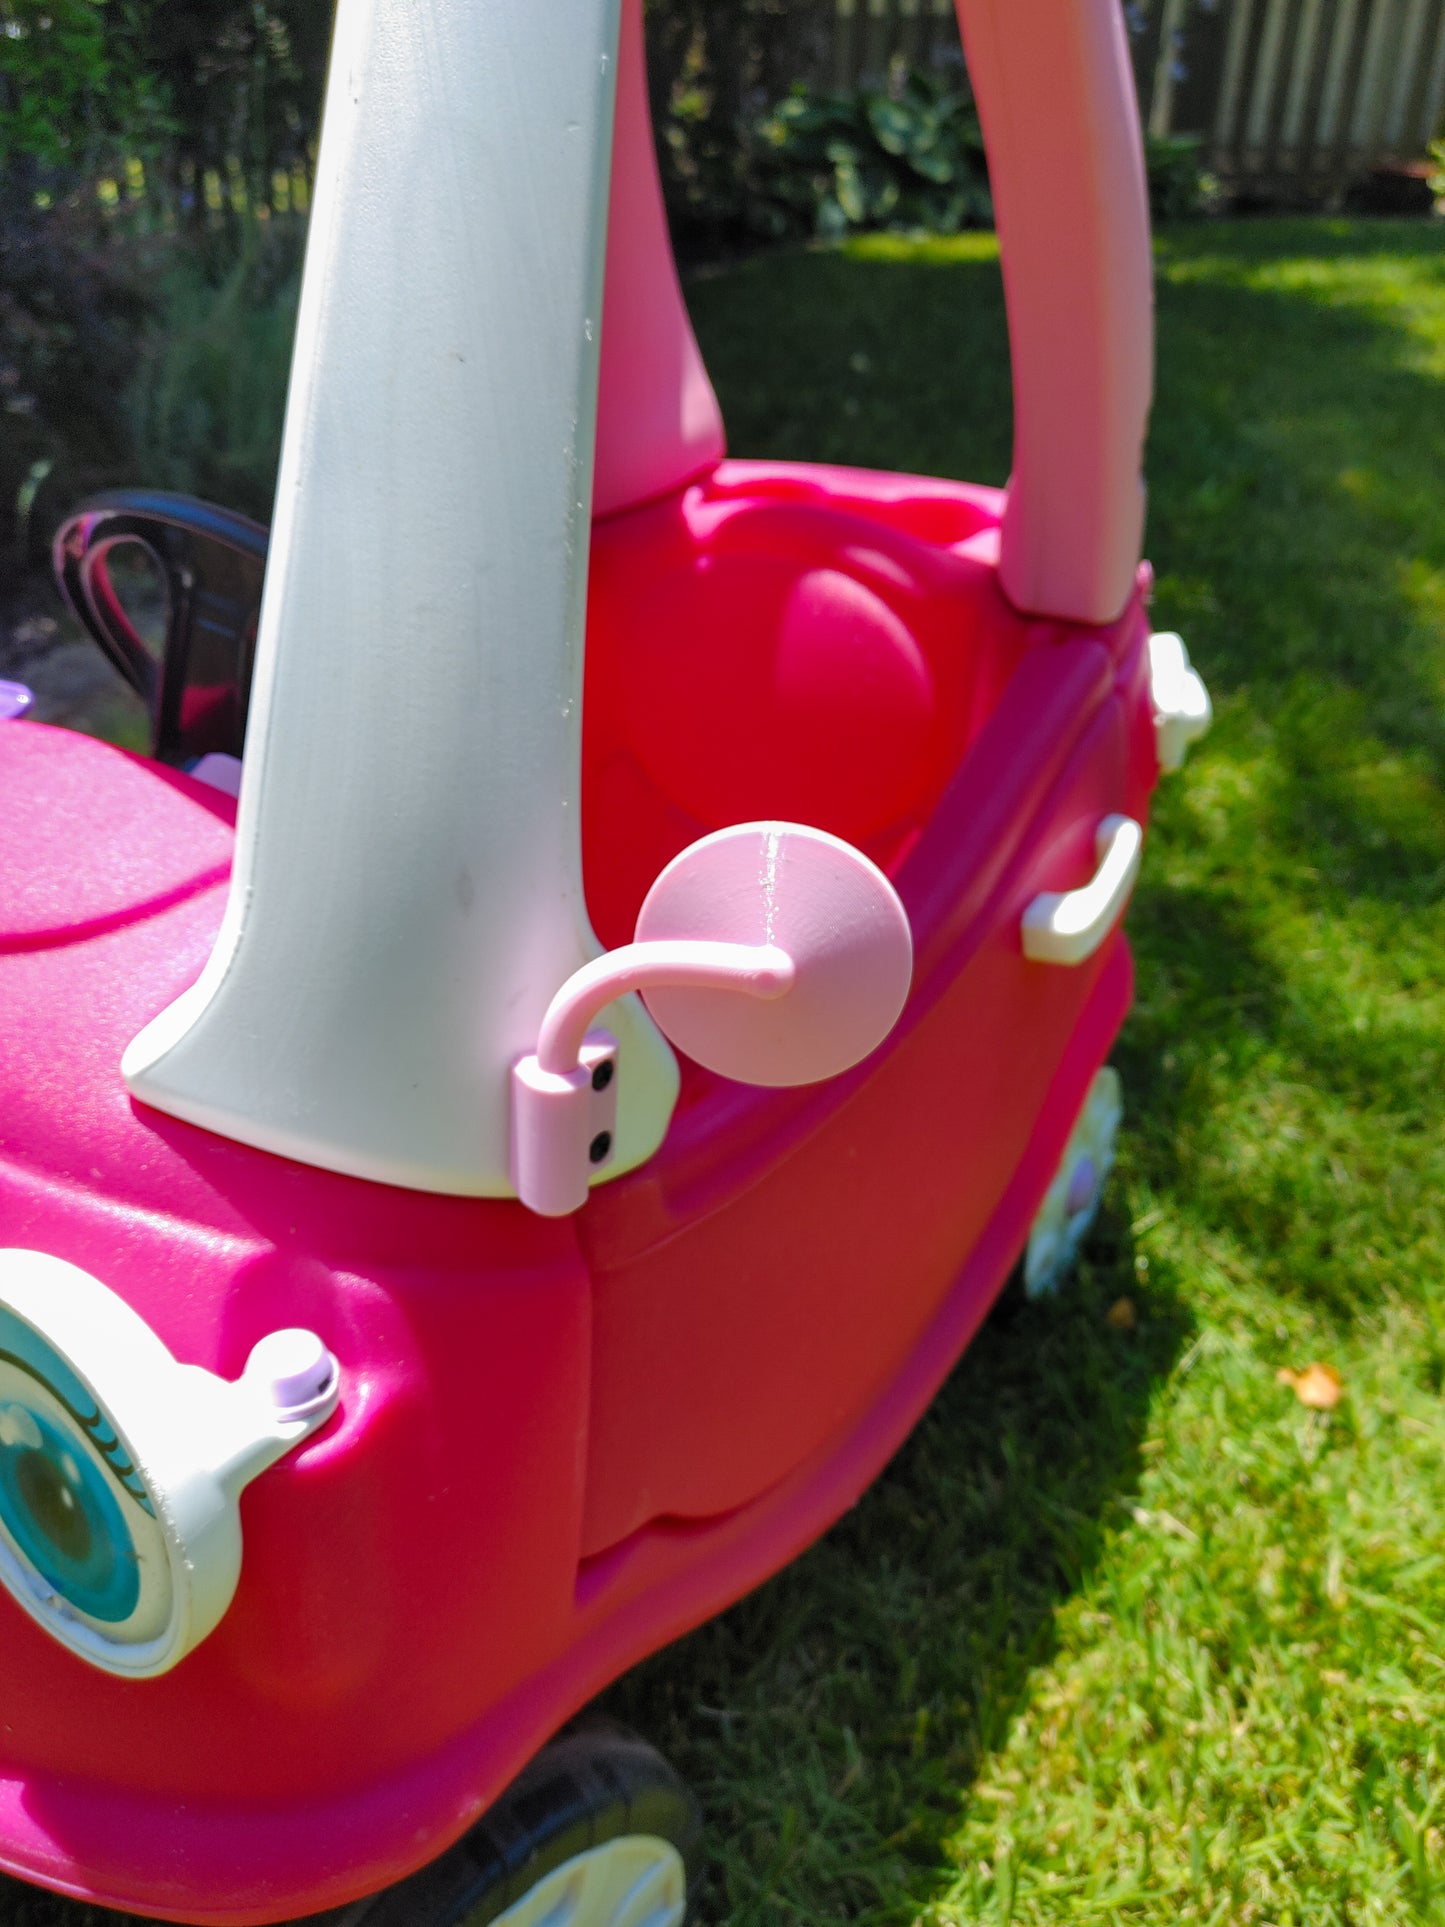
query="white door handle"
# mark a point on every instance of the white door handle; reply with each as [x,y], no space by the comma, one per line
[1066,926]
[1182,710]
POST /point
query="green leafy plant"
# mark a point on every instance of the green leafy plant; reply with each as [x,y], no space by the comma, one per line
[208,390]
[53,68]
[910,156]
[1179,186]
[1437,176]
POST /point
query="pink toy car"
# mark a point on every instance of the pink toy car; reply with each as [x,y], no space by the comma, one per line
[480,1202]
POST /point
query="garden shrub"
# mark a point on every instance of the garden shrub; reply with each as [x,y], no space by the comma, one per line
[68,305]
[909,156]
[1179,187]
[207,391]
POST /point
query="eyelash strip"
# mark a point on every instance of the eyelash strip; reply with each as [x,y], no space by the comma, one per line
[96,1429]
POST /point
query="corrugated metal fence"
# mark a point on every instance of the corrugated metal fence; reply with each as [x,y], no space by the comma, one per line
[1290,96]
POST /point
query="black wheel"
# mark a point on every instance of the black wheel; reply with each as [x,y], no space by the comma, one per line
[597,1832]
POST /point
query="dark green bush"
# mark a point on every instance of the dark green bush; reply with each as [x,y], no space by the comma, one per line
[1179,188]
[68,305]
[910,156]
[712,67]
[207,389]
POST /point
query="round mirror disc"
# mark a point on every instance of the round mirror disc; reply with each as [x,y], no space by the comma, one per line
[812,895]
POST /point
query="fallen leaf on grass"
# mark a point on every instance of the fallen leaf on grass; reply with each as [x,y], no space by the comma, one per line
[1122,1315]
[1318,1386]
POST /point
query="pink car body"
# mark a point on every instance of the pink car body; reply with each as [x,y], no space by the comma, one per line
[562,1442]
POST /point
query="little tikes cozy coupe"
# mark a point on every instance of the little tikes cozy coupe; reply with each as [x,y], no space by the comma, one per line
[355,1206]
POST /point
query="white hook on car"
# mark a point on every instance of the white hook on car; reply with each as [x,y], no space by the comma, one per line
[1182,709]
[1068,926]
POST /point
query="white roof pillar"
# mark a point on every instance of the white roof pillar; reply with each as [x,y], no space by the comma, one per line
[407,890]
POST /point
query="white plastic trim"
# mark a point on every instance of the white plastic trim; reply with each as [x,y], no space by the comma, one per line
[186,1439]
[1182,709]
[1071,1202]
[1068,926]
[636,1880]
[407,888]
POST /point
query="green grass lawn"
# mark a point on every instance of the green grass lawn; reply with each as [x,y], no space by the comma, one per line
[1126,1633]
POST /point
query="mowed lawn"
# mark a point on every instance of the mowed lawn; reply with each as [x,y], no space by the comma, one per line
[1127,1633]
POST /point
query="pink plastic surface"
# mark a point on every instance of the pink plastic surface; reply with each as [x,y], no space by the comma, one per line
[146,851]
[658,422]
[815,903]
[813,616]
[563,1126]
[562,1442]
[757,915]
[1060,115]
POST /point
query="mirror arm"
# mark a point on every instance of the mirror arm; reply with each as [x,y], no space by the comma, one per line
[757,970]
[564,1095]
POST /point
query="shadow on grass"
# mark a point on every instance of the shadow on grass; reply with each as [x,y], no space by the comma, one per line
[1298,523]
[835,1721]
[831,1720]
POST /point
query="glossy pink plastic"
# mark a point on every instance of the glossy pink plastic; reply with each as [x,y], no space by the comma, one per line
[565,1441]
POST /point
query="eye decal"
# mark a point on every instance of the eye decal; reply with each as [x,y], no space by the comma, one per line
[121,1469]
[61,1513]
[74,1509]
[93,1421]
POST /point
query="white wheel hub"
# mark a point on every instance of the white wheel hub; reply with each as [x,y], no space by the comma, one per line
[634,1881]
[1071,1202]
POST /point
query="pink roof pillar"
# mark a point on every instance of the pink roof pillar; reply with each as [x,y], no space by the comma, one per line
[658,422]
[1056,97]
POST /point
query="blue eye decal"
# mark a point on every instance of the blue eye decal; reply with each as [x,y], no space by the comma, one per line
[28,1352]
[72,1505]
[62,1514]
[121,1469]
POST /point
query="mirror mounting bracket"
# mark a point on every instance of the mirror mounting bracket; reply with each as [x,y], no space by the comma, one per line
[803,935]
[564,1094]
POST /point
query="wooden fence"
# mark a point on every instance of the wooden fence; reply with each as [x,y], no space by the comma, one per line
[869,34]
[1292,97]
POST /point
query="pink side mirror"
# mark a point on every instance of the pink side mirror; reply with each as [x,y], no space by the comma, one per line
[768,952]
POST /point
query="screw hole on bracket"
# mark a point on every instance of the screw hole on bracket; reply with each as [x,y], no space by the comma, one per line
[602,1076]
[600,1147]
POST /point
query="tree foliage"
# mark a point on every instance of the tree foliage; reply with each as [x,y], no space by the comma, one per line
[55,67]
[713,66]
[239,79]
[206,83]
